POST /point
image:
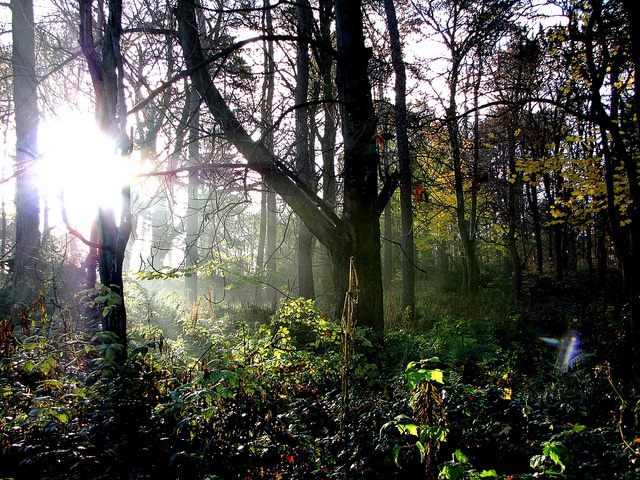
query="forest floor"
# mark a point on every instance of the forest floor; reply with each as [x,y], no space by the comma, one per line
[540,392]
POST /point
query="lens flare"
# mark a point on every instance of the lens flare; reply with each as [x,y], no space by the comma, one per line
[568,349]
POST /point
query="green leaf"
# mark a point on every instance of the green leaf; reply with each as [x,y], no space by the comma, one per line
[451,472]
[488,473]
[52,384]
[578,427]
[423,450]
[461,457]
[414,378]
[410,366]
[61,415]
[396,455]
[554,450]
[537,461]
[47,365]
[436,375]
[437,433]
[409,428]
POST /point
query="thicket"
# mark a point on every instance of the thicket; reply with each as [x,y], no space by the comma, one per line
[467,390]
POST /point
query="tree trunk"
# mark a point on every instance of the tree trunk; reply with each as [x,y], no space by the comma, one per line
[26,281]
[268,89]
[362,207]
[107,75]
[324,89]
[404,160]
[387,250]
[633,13]
[514,201]
[532,198]
[387,255]
[272,232]
[468,242]
[262,238]
[193,207]
[328,139]
[602,254]
[304,157]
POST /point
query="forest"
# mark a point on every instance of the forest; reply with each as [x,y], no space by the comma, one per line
[319,239]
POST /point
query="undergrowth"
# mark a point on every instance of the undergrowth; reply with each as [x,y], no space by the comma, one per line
[245,394]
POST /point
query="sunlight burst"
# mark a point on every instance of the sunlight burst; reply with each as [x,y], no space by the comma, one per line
[80,171]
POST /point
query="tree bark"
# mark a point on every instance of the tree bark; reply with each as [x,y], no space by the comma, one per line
[262,239]
[362,207]
[304,157]
[466,237]
[324,89]
[631,8]
[271,211]
[26,281]
[532,199]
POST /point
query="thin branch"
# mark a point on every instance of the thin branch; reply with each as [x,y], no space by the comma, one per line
[393,242]
[76,233]
[220,55]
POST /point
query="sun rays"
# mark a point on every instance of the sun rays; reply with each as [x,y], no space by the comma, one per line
[79,171]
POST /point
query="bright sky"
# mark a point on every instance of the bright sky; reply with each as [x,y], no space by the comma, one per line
[77,162]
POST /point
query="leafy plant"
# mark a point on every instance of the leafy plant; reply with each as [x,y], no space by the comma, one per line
[427,428]
[460,468]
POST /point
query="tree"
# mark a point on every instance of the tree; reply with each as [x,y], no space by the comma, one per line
[192,221]
[323,117]
[26,281]
[468,30]
[269,204]
[357,232]
[106,68]
[602,31]
[404,160]
[515,80]
[304,159]
[633,15]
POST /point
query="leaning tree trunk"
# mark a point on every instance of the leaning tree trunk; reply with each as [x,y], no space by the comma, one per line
[26,281]
[358,232]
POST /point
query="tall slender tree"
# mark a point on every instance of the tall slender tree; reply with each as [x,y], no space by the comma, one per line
[304,155]
[468,30]
[193,204]
[106,67]
[26,281]
[266,114]
[404,161]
